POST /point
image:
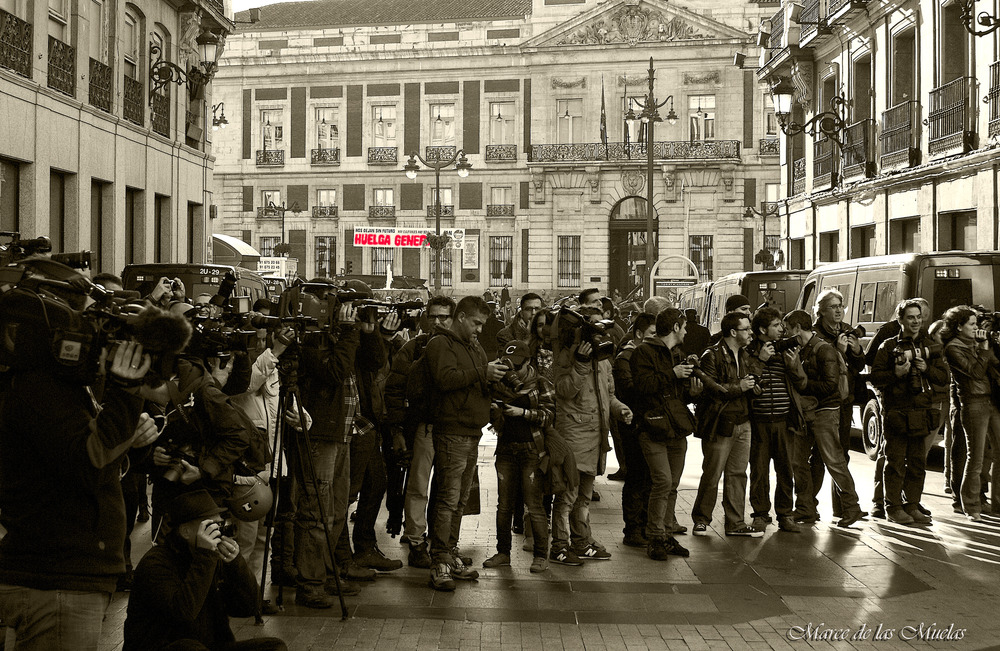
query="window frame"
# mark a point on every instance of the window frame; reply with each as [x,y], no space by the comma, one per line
[332,140]
[569,271]
[566,129]
[701,125]
[377,112]
[507,127]
[278,129]
[442,139]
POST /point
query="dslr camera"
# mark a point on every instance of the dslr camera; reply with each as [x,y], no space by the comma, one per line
[786,344]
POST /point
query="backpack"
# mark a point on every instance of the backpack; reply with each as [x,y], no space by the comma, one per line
[420,386]
[843,381]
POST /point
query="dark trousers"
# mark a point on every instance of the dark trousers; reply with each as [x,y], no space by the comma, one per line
[368,482]
[771,440]
[905,467]
[134,492]
[454,465]
[517,476]
[817,467]
[959,452]
[635,491]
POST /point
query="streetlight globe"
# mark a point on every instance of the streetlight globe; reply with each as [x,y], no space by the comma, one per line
[463,172]
[411,174]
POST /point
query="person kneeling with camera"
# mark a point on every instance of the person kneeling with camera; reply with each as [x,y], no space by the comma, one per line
[905,370]
[187,588]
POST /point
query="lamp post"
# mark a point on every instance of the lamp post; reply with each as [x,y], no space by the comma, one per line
[163,72]
[763,256]
[650,115]
[285,247]
[830,123]
[462,165]
[984,19]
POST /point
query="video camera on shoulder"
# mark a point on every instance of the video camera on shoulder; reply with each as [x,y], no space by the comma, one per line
[577,326]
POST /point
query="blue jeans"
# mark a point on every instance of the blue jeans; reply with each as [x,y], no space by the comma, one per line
[454,465]
[520,467]
[729,455]
[332,464]
[418,485]
[823,433]
[53,620]
[571,516]
[982,421]
[665,460]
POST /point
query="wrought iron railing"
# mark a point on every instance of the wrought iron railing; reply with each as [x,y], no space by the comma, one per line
[836,5]
[62,67]
[809,20]
[270,157]
[446,211]
[100,85]
[769,147]
[383,155]
[132,104]
[325,156]
[993,99]
[500,210]
[218,6]
[770,207]
[824,163]
[324,211]
[266,212]
[159,114]
[799,176]
[777,30]
[949,117]
[617,151]
[15,44]
[438,153]
[859,149]
[900,137]
[501,153]
[381,212]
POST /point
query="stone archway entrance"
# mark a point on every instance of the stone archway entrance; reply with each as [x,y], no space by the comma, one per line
[627,244]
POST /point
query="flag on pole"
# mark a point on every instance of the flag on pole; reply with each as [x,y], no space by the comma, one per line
[628,153]
[604,121]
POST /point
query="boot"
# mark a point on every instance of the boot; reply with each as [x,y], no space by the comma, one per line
[898,515]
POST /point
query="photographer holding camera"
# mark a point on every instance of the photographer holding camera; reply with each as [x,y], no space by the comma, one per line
[905,370]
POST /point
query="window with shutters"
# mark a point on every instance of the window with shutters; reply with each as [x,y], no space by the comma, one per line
[130,44]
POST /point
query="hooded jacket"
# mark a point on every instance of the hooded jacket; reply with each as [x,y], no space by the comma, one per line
[585,404]
[462,392]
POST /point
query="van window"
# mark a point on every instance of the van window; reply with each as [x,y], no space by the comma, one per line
[866,309]
[808,296]
[886,301]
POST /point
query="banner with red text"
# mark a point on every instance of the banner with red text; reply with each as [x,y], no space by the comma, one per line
[403,238]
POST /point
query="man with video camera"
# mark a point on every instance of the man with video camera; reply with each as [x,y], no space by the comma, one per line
[60,472]
[906,369]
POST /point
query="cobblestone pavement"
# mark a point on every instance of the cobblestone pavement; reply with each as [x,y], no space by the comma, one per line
[875,585]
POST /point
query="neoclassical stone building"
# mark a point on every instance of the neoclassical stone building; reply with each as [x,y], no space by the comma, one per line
[326,100]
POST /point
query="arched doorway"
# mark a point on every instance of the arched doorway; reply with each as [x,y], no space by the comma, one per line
[627,240]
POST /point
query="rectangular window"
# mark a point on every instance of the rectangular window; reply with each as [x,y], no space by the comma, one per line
[702,254]
[384,126]
[381,259]
[57,210]
[634,128]
[267,244]
[10,184]
[501,260]
[904,67]
[383,197]
[829,246]
[269,197]
[797,253]
[97,218]
[326,247]
[272,129]
[904,235]
[161,228]
[58,19]
[327,129]
[446,195]
[956,231]
[568,261]
[442,130]
[502,123]
[130,45]
[861,104]
[862,241]
[446,256]
[569,118]
[701,109]
[326,197]
[770,123]
[98,31]
[133,221]
[772,192]
[501,196]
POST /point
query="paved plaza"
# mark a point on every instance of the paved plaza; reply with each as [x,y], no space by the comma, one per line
[876,585]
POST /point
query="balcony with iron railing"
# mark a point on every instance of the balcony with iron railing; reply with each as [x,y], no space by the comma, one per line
[159,114]
[438,153]
[809,21]
[769,147]
[100,85]
[859,149]
[824,163]
[133,106]
[381,212]
[839,10]
[501,153]
[62,67]
[324,211]
[900,137]
[777,30]
[798,176]
[500,210]
[270,157]
[15,44]
[322,156]
[267,212]
[446,211]
[993,99]
[617,151]
[769,208]
[383,155]
[951,117]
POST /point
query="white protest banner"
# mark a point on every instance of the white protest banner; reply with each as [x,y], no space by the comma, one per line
[402,238]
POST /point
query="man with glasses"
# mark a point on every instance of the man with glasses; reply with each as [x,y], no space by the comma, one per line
[724,428]
[531,304]
[411,429]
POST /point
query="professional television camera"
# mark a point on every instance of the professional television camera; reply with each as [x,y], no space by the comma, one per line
[576,326]
[16,249]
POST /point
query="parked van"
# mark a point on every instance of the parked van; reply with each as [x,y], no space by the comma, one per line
[694,298]
[872,287]
[198,279]
[777,289]
[276,285]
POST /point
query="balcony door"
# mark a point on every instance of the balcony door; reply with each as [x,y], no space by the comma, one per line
[627,245]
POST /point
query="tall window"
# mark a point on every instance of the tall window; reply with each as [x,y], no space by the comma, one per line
[445,196]
[701,110]
[268,197]
[770,123]
[442,129]
[702,255]
[98,31]
[326,197]
[772,192]
[501,196]
[272,129]
[569,117]
[502,123]
[130,44]
[384,126]
[829,246]
[634,128]
[569,261]
[501,260]
[10,184]
[327,129]
[446,256]
[381,259]
[133,225]
[326,247]
[267,244]
[383,197]
[59,19]
[903,73]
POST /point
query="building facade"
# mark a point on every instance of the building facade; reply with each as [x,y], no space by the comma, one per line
[916,165]
[93,154]
[326,101]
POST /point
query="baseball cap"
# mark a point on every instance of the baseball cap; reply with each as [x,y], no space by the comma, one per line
[517,352]
[193,505]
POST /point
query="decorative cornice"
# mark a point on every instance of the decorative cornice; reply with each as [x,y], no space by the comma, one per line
[559,82]
[632,24]
[696,78]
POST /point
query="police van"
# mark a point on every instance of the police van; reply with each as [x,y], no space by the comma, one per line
[777,289]
[198,279]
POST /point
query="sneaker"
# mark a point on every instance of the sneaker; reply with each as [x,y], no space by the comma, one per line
[760,523]
[746,532]
[463,572]
[848,520]
[564,557]
[466,560]
[314,600]
[919,517]
[635,539]
[947,489]
[807,519]
[497,560]
[700,529]
[418,556]
[898,515]
[346,589]
[529,544]
[674,548]
[657,550]
[539,564]
[594,552]
[441,578]
[354,572]
[374,559]
[788,525]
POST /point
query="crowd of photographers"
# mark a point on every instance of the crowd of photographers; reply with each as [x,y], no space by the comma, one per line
[331,399]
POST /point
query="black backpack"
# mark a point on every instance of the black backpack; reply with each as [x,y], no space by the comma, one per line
[420,386]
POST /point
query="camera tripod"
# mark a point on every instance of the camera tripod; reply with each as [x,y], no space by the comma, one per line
[304,471]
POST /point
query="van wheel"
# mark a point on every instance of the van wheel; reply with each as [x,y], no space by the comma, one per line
[871,428]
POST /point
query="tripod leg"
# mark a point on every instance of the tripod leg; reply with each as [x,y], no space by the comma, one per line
[276,460]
